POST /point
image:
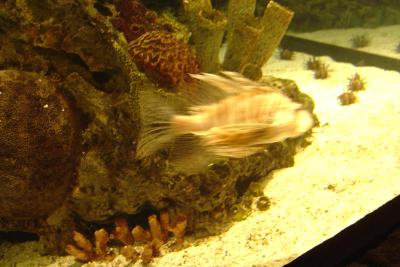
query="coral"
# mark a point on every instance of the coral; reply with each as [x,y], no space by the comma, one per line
[163,58]
[347,98]
[208,27]
[251,40]
[286,54]
[322,71]
[398,48]
[134,19]
[153,239]
[84,249]
[356,83]
[313,63]
[360,40]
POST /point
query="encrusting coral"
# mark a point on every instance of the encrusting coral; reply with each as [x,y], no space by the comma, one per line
[163,58]
[151,240]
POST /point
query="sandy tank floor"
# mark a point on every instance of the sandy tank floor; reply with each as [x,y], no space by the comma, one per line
[351,168]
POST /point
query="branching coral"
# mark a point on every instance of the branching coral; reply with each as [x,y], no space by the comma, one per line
[153,239]
[86,251]
[163,58]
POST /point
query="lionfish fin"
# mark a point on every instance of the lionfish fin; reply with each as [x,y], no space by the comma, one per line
[188,155]
[156,130]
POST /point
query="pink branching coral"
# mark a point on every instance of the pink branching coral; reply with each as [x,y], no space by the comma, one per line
[157,235]
[165,59]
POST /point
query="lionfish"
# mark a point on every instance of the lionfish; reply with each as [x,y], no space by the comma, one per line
[228,116]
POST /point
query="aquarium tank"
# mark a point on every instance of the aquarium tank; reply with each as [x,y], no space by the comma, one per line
[193,132]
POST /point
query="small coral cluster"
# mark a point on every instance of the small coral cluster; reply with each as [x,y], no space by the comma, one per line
[356,83]
[151,239]
[321,69]
[163,58]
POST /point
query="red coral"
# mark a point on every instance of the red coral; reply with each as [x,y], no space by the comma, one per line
[165,59]
[134,19]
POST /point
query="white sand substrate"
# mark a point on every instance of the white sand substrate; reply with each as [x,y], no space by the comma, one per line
[351,168]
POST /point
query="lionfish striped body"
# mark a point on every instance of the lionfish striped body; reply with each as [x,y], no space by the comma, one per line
[238,118]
